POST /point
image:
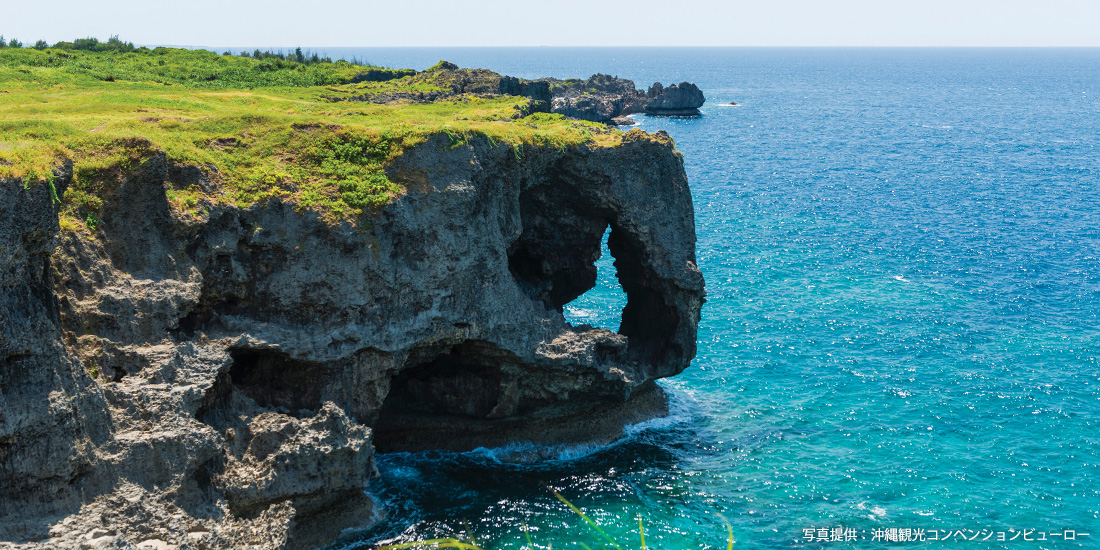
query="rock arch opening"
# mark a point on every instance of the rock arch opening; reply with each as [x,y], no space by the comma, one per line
[555,260]
[650,318]
[602,305]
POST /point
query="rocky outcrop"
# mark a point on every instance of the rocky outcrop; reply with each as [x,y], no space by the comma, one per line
[600,98]
[594,107]
[682,100]
[603,98]
[453,81]
[221,381]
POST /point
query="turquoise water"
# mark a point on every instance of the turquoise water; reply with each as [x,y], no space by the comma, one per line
[902,328]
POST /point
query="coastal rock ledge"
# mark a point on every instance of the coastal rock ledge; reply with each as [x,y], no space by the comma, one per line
[603,98]
[223,381]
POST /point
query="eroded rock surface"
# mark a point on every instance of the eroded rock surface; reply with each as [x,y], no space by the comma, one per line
[603,98]
[599,98]
[222,382]
[676,100]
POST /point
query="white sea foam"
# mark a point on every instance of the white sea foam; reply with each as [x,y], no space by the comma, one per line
[580,312]
[525,452]
[876,511]
[403,472]
[680,413]
[680,406]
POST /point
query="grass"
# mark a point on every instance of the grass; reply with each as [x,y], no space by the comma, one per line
[261,129]
[611,542]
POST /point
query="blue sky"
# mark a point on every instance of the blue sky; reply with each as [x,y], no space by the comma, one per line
[320,23]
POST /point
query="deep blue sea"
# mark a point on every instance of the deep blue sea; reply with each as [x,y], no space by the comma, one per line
[902,327]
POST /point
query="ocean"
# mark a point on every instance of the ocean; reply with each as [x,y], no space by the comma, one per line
[901,341]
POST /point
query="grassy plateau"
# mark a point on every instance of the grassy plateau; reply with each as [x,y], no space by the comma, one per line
[261,127]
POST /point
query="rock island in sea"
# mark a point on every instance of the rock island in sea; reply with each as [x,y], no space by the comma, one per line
[226,281]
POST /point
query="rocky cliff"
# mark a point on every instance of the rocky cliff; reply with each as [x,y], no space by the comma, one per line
[222,380]
[676,100]
[603,98]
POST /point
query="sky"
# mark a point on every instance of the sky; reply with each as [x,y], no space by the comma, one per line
[370,23]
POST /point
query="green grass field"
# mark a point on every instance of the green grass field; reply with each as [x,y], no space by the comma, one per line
[264,128]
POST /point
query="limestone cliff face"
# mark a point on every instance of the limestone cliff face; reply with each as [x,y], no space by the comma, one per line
[676,100]
[603,98]
[222,382]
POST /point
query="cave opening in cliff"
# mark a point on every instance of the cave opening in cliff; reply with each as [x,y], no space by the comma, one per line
[277,380]
[601,305]
[463,380]
[443,386]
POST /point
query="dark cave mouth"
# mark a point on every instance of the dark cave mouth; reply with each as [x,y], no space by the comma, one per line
[461,380]
[463,396]
[276,380]
[273,379]
[441,391]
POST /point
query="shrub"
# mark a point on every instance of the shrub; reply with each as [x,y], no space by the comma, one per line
[89,43]
[113,44]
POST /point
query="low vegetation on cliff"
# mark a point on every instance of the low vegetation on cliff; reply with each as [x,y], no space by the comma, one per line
[259,126]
